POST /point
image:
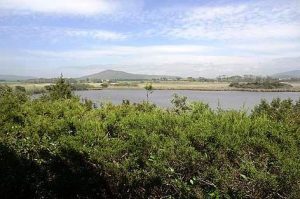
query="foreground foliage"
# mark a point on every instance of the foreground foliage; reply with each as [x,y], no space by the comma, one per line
[60,147]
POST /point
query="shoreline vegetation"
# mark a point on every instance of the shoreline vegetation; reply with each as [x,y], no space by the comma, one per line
[39,88]
[58,146]
[261,85]
[112,79]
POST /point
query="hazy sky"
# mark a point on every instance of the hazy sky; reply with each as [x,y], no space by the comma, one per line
[172,37]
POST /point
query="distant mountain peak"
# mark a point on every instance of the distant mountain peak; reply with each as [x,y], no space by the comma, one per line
[110,70]
[121,75]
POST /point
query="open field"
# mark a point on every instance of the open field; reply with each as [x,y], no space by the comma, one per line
[28,86]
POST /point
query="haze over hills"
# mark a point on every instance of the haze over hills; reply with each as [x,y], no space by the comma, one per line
[15,77]
[121,75]
[288,74]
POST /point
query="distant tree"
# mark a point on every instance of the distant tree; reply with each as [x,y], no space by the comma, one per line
[149,90]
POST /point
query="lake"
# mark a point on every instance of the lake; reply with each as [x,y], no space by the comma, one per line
[162,98]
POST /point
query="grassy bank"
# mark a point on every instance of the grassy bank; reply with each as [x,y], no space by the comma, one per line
[59,147]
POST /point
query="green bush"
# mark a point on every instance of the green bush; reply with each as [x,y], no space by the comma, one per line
[60,147]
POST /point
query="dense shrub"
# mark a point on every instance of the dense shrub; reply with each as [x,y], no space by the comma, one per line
[59,147]
[261,85]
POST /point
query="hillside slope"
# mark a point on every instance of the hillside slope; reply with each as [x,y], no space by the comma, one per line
[14,77]
[288,74]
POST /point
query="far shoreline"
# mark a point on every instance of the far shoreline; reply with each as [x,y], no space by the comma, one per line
[201,89]
[190,86]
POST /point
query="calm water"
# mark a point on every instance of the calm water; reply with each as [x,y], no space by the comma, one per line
[162,98]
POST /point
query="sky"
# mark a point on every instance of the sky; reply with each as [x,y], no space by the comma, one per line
[44,38]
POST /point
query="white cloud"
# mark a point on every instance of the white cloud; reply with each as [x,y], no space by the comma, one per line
[129,52]
[62,33]
[246,32]
[211,13]
[247,21]
[96,34]
[80,7]
[269,47]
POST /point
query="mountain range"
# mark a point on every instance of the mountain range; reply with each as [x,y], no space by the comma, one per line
[121,75]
